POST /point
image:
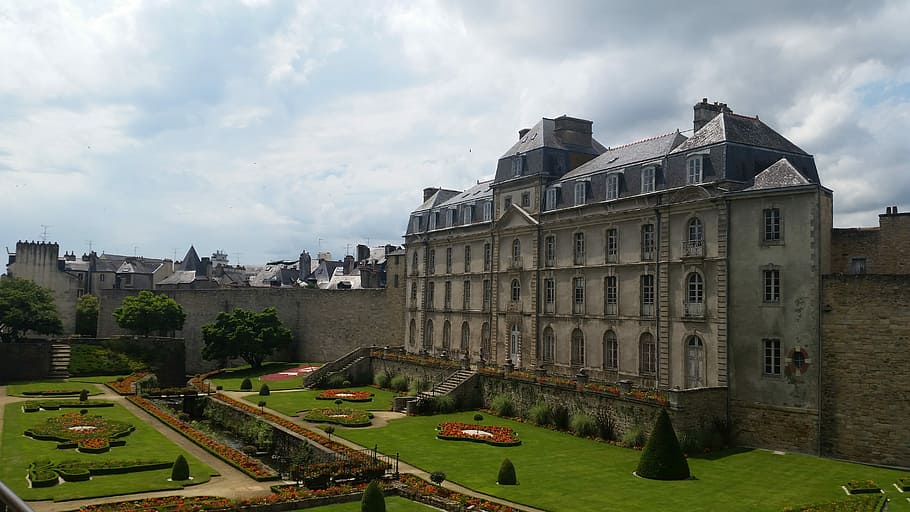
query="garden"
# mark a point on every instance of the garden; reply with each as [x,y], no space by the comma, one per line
[292,402]
[231,379]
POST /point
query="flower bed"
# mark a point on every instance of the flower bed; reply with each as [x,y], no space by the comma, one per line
[198,381]
[71,430]
[184,391]
[493,435]
[236,458]
[867,503]
[45,472]
[53,405]
[601,388]
[124,386]
[339,416]
[320,475]
[418,489]
[414,358]
[164,504]
[346,395]
[862,487]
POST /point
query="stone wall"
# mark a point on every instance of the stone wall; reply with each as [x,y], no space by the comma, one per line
[325,324]
[27,360]
[775,427]
[866,363]
[886,249]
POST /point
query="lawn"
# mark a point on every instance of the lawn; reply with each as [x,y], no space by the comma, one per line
[53,385]
[392,504]
[291,402]
[18,451]
[557,471]
[231,379]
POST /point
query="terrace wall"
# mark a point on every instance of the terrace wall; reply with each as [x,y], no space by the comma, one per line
[26,360]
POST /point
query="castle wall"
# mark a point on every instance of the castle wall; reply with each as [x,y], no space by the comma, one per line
[39,262]
[882,250]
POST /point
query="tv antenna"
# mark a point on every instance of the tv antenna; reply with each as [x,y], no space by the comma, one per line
[44,232]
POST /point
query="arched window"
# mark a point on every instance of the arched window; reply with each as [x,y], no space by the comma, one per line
[465,337]
[446,335]
[486,347]
[578,347]
[695,362]
[428,336]
[611,351]
[696,234]
[412,334]
[648,360]
[516,248]
[516,290]
[548,353]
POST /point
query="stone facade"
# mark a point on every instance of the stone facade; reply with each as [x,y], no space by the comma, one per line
[881,250]
[40,263]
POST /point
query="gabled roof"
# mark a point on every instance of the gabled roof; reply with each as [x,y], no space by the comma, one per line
[729,127]
[191,261]
[179,277]
[779,175]
[479,191]
[440,196]
[542,135]
[640,151]
[516,212]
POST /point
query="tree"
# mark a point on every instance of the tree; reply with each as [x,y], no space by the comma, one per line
[662,458]
[24,307]
[245,334]
[507,473]
[180,470]
[372,500]
[87,308]
[147,312]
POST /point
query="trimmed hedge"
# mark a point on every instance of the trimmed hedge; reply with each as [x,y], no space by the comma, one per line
[372,500]
[662,458]
[180,470]
[44,473]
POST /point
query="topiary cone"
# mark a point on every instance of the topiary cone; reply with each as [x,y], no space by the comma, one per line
[507,473]
[662,458]
[180,470]
[373,500]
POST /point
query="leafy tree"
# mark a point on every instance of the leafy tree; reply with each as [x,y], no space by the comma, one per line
[373,500]
[245,334]
[87,308]
[25,306]
[662,458]
[147,312]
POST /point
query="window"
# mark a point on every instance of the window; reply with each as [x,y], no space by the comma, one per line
[548,354]
[447,295]
[696,233]
[431,292]
[648,354]
[647,242]
[415,223]
[414,265]
[612,245]
[647,295]
[433,218]
[487,294]
[414,294]
[694,174]
[448,260]
[467,258]
[550,199]
[612,186]
[486,347]
[506,203]
[412,334]
[487,210]
[771,279]
[694,245]
[578,295]
[515,344]
[580,189]
[487,256]
[772,225]
[516,254]
[516,290]
[101,277]
[431,264]
[611,351]
[695,296]
[549,295]
[468,214]
[465,338]
[857,265]
[611,295]
[450,218]
[578,347]
[579,249]
[396,281]
[446,335]
[466,302]
[525,199]
[428,335]
[549,251]
[772,356]
[647,180]
[517,164]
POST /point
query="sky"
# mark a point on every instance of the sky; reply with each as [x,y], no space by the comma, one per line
[265,128]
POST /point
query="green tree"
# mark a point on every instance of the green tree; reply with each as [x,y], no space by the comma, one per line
[180,470]
[147,312]
[87,308]
[24,307]
[245,334]
[372,500]
[662,458]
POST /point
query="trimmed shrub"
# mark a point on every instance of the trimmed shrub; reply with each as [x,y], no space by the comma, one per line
[503,405]
[606,424]
[584,425]
[437,477]
[662,459]
[373,500]
[507,473]
[400,383]
[478,417]
[560,416]
[83,395]
[219,387]
[383,380]
[539,414]
[444,404]
[264,390]
[335,381]
[328,429]
[246,385]
[634,438]
[180,470]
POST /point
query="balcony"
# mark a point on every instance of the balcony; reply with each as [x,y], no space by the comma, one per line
[693,249]
[647,310]
[515,263]
[549,307]
[694,309]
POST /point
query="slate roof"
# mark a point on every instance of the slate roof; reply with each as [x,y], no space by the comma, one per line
[116,263]
[480,191]
[438,197]
[779,175]
[621,156]
[191,261]
[542,135]
[179,277]
[729,127]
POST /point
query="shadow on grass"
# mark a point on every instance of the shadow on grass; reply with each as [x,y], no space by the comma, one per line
[720,454]
[266,369]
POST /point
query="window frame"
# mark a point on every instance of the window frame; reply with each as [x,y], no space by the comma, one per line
[581,189]
[578,248]
[771,286]
[647,363]
[578,295]
[549,250]
[487,211]
[550,199]
[467,214]
[447,295]
[648,242]
[515,291]
[772,357]
[487,256]
[695,170]
[772,226]
[611,296]
[467,257]
[613,185]
[448,260]
[548,350]
[577,349]
[647,291]
[549,295]
[525,199]
[611,350]
[611,240]
[466,295]
[648,179]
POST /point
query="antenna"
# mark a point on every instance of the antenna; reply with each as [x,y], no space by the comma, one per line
[44,232]
[90,244]
[135,248]
[237,255]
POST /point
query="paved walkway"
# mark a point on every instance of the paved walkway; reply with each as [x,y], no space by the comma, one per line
[231,483]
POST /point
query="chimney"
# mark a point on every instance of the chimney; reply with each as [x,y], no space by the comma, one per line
[523,132]
[348,264]
[572,131]
[705,112]
[428,193]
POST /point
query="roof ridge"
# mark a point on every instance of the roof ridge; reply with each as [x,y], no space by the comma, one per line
[753,118]
[643,140]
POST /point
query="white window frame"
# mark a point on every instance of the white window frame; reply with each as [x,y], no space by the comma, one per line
[550,202]
[611,350]
[771,286]
[487,210]
[433,219]
[578,295]
[468,214]
[771,357]
[773,227]
[613,186]
[694,170]
[648,179]
[581,188]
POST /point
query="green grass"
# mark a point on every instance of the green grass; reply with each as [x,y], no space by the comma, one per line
[292,402]
[557,471]
[392,504]
[231,379]
[50,385]
[17,451]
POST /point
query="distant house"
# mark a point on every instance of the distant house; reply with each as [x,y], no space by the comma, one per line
[191,273]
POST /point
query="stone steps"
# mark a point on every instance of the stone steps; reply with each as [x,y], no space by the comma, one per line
[60,361]
[447,386]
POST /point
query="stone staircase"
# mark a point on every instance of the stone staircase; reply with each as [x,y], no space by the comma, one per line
[339,366]
[60,361]
[451,383]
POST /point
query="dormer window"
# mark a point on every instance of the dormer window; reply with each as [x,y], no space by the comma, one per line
[517,165]
[551,199]
[434,219]
[647,179]
[487,210]
[694,170]
[580,189]
[612,186]
[468,214]
[449,217]
[415,223]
